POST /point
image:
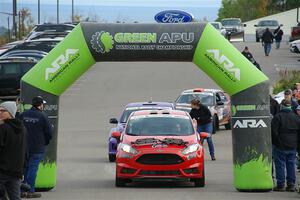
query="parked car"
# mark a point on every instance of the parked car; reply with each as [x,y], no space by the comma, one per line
[130,108]
[262,25]
[219,27]
[11,71]
[295,33]
[217,101]
[54,28]
[295,46]
[45,45]
[160,145]
[38,55]
[234,28]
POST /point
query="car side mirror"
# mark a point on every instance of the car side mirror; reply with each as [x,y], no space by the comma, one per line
[255,25]
[116,135]
[204,135]
[113,121]
[220,103]
[244,25]
[281,24]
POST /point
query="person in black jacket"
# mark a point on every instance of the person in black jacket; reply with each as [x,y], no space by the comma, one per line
[267,40]
[274,106]
[278,37]
[39,131]
[12,151]
[250,57]
[203,116]
[285,132]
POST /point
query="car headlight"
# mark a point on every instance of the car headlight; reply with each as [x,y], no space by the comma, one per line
[128,149]
[191,149]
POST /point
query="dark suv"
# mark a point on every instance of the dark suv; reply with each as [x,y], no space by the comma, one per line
[11,71]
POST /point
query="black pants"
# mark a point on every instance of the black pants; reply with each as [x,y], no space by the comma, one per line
[11,185]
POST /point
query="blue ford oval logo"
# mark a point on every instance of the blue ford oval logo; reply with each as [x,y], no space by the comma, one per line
[173,16]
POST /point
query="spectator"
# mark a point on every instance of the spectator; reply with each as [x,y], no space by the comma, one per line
[278,33]
[12,151]
[289,97]
[39,135]
[274,106]
[296,92]
[267,40]
[203,116]
[285,130]
[249,56]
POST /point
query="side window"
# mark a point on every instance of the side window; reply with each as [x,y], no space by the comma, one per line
[10,69]
[222,97]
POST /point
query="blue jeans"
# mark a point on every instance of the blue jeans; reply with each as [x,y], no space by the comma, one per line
[31,169]
[277,44]
[12,186]
[285,160]
[267,47]
[208,128]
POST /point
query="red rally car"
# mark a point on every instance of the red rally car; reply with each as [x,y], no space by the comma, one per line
[160,145]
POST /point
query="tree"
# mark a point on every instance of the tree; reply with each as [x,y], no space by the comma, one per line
[26,21]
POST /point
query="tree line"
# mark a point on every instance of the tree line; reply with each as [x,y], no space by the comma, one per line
[253,9]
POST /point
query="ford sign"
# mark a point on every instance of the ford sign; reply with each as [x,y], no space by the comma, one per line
[173,16]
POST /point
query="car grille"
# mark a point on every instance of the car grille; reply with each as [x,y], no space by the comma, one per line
[160,159]
[159,173]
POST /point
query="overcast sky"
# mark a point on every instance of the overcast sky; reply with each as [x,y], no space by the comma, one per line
[159,3]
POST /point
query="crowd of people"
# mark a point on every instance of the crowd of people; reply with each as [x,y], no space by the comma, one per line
[285,128]
[23,138]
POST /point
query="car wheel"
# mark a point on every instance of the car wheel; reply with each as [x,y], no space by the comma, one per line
[200,182]
[228,125]
[215,124]
[112,157]
[120,182]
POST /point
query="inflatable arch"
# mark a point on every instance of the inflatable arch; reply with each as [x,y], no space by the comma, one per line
[199,43]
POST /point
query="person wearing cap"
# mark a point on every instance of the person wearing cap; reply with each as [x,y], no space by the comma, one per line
[250,57]
[202,115]
[39,131]
[288,96]
[12,150]
[285,128]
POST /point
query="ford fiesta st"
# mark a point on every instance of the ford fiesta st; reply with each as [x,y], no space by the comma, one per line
[217,101]
[160,145]
[129,108]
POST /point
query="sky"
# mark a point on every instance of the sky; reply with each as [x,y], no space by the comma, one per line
[112,10]
[141,3]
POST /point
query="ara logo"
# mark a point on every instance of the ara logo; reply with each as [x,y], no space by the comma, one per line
[102,42]
[250,123]
[62,60]
[227,64]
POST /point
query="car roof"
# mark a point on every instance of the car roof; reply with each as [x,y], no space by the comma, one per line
[17,59]
[150,104]
[160,112]
[199,90]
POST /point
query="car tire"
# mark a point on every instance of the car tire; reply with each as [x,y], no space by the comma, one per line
[112,157]
[228,125]
[200,182]
[215,124]
[120,182]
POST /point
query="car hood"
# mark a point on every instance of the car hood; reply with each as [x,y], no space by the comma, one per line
[130,140]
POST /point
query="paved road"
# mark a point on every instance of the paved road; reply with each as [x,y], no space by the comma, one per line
[83,168]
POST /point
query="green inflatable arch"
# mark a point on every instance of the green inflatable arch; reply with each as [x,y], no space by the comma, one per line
[199,43]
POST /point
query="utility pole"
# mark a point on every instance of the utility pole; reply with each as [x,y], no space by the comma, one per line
[8,30]
[72,11]
[14,19]
[57,12]
[39,12]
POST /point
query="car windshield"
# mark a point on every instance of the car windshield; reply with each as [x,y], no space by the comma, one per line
[231,22]
[268,23]
[216,25]
[15,68]
[127,112]
[205,98]
[45,46]
[159,125]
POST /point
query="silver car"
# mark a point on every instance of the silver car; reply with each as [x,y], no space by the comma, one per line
[262,25]
[219,27]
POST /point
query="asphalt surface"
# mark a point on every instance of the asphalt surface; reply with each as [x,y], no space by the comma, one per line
[84,171]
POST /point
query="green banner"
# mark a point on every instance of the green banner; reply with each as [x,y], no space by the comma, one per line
[224,63]
[63,65]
